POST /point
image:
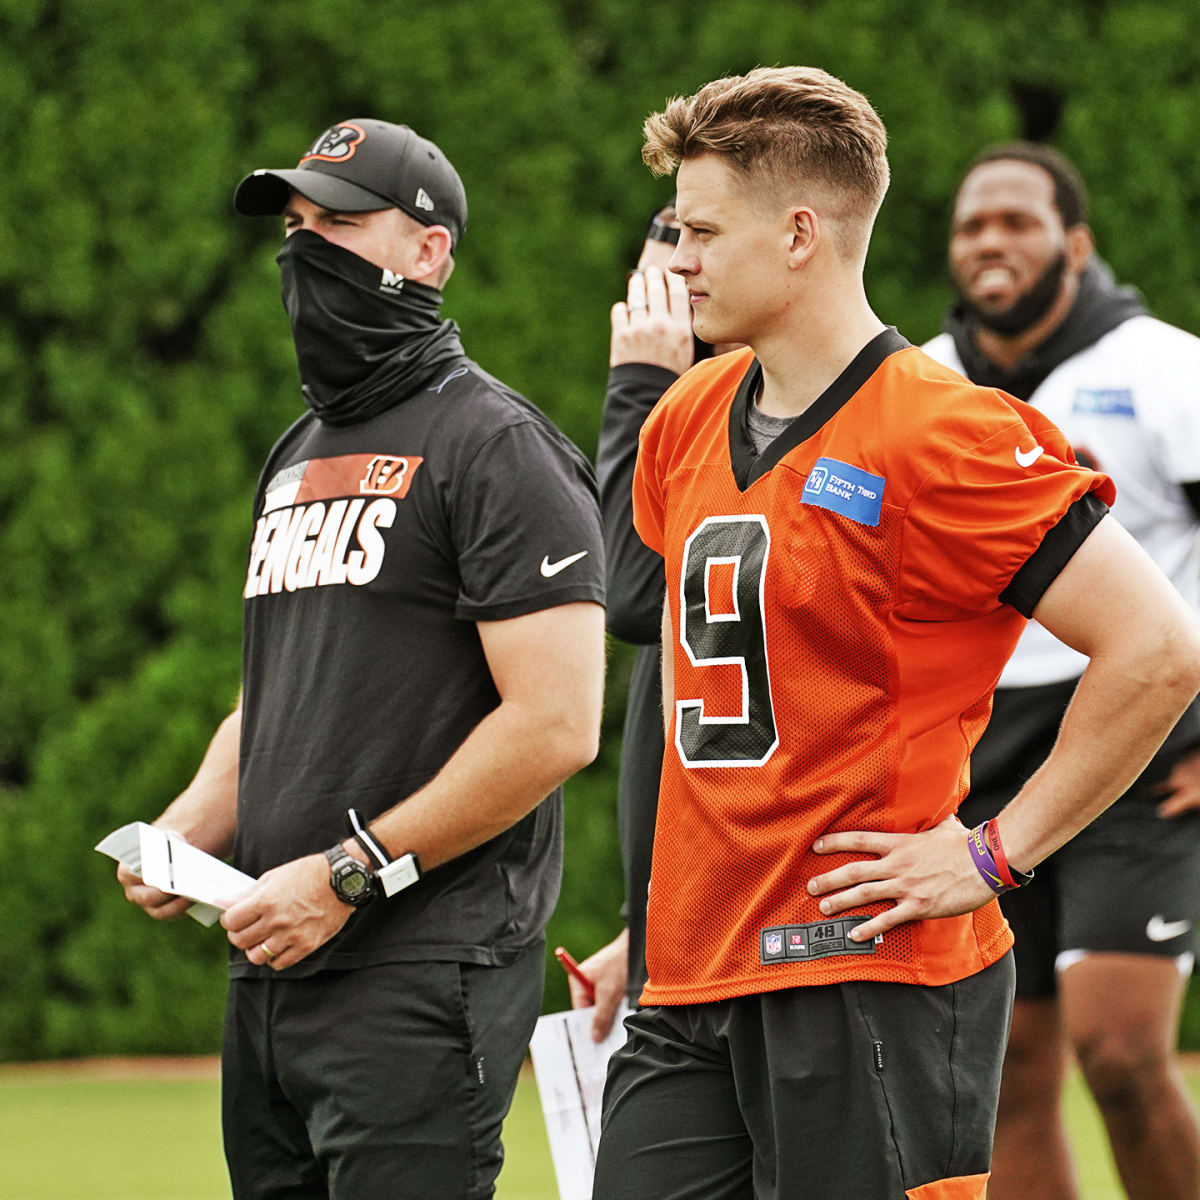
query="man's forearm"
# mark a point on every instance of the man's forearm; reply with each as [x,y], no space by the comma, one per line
[1113,604]
[508,764]
[1117,719]
[549,670]
[205,812]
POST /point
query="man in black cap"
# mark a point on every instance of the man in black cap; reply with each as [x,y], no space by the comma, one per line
[422,669]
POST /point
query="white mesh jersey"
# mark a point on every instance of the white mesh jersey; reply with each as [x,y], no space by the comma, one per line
[1130,405]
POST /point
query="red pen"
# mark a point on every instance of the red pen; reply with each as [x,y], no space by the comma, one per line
[572,968]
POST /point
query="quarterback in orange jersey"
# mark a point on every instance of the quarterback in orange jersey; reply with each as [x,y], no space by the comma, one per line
[853,538]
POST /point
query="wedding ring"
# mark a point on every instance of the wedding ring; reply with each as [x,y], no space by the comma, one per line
[271,955]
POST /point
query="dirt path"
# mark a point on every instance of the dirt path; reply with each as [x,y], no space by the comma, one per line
[181,1066]
[191,1066]
[208,1066]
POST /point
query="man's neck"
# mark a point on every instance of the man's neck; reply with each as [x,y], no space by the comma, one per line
[1007,350]
[806,354]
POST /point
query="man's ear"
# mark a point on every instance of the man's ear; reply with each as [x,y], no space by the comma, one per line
[804,236]
[1080,247]
[433,249]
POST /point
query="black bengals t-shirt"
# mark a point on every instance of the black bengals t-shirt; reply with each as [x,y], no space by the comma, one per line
[377,547]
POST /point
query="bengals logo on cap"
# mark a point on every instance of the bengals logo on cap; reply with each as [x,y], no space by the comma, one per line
[337,144]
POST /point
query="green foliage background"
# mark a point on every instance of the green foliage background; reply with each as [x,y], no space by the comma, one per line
[148,367]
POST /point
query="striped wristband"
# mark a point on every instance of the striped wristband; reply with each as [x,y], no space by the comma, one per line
[990,861]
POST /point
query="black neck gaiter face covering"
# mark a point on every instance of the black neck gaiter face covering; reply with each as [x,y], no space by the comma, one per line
[365,340]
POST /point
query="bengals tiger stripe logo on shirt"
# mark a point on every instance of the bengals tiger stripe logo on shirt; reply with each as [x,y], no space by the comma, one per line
[319,525]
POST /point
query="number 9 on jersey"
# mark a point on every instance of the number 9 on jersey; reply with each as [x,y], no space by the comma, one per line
[721,626]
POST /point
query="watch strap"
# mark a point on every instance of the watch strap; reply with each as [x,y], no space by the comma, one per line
[392,875]
[661,232]
[374,849]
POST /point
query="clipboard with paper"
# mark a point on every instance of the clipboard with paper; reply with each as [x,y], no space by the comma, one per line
[570,1069]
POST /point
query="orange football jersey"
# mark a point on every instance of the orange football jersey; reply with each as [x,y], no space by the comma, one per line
[838,632]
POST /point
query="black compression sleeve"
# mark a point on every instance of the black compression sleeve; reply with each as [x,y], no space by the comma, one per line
[1042,567]
[634,571]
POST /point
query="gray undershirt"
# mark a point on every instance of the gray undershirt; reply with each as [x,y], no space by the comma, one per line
[764,429]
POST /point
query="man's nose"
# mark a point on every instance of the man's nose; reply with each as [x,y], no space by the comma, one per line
[683,262]
[990,240]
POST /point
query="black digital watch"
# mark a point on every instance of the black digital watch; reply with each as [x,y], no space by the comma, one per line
[352,882]
[659,231]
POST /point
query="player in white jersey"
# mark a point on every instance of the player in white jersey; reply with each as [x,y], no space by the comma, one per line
[1105,935]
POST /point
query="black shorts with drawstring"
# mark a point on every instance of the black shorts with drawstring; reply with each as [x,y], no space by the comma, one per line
[850,1091]
[388,1080]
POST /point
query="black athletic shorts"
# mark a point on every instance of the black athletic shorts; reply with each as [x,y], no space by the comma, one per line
[390,1080]
[1129,883]
[852,1091]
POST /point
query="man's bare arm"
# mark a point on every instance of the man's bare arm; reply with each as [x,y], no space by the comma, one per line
[1113,604]
[548,668]
[205,813]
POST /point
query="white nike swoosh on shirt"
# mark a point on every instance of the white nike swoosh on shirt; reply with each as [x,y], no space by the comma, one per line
[549,569]
[1026,458]
[1159,930]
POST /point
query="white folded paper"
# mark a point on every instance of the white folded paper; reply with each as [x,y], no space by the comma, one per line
[167,862]
[570,1070]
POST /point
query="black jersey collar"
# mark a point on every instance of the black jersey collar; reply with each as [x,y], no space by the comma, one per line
[746,464]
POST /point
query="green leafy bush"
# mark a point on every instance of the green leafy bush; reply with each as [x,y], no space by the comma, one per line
[148,366]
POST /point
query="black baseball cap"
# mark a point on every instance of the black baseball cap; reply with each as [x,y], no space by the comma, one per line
[361,166]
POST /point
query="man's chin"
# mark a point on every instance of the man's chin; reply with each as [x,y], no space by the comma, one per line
[708,330]
[1008,321]
[988,311]
[992,304]
[1023,311]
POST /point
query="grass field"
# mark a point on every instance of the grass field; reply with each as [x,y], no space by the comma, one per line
[95,1133]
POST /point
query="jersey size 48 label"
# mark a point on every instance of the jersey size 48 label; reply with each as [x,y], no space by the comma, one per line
[792,943]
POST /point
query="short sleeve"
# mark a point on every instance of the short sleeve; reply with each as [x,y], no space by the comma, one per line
[1169,404]
[525,521]
[648,498]
[977,518]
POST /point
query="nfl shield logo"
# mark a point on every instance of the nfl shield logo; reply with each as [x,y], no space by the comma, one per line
[774,943]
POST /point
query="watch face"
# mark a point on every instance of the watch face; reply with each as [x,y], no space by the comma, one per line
[351,881]
[355,883]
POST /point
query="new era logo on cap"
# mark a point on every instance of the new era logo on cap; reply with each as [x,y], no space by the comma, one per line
[361,166]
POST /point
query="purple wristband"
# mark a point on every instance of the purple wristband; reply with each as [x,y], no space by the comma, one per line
[985,864]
